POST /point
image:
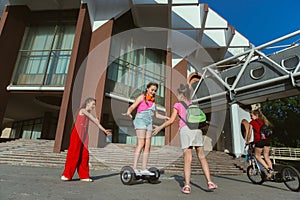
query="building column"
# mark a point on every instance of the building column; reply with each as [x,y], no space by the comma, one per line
[95,78]
[175,76]
[168,94]
[12,27]
[80,51]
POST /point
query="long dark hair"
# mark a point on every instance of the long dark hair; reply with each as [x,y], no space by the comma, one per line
[88,100]
[148,86]
[185,90]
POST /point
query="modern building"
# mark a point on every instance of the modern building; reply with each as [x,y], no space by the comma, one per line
[54,54]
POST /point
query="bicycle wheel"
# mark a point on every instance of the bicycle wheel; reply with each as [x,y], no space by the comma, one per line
[291,178]
[254,175]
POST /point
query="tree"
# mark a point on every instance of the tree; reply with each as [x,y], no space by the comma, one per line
[285,116]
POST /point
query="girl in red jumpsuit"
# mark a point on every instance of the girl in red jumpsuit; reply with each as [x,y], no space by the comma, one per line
[78,154]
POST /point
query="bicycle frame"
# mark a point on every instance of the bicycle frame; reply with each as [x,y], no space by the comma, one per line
[286,174]
[256,164]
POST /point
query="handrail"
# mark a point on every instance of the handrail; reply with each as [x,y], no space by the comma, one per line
[285,153]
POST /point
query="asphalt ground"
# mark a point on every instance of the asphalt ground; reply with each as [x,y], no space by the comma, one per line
[23,182]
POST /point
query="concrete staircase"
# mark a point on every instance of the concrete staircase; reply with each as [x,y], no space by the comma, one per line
[113,157]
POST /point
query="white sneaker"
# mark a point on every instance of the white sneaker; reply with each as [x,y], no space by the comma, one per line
[87,180]
[147,173]
[63,178]
[137,172]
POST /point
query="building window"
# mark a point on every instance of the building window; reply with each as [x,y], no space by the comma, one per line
[44,55]
[129,74]
[27,129]
[257,73]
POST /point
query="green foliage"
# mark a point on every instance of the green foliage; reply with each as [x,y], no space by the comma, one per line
[284,114]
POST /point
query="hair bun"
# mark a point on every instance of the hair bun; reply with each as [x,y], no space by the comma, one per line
[182,87]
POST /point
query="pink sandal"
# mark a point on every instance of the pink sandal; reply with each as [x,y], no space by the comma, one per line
[212,186]
[186,189]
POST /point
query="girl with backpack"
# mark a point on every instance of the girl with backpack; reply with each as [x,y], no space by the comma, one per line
[262,145]
[189,139]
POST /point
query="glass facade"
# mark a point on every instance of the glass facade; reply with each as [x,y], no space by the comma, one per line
[32,129]
[127,77]
[44,55]
[129,74]
[28,129]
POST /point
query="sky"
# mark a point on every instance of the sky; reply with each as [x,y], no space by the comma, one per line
[260,21]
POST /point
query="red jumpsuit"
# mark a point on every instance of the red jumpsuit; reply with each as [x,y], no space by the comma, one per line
[78,154]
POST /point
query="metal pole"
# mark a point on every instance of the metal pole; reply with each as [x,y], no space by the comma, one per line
[242,70]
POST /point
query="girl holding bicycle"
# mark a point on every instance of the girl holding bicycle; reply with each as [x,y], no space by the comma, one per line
[262,145]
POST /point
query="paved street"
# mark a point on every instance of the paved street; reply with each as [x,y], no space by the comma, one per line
[20,182]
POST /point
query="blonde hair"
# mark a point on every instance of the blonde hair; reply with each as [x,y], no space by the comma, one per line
[262,117]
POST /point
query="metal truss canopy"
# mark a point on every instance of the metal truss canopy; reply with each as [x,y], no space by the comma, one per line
[256,79]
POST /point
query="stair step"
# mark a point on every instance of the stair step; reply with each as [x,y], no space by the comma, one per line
[169,159]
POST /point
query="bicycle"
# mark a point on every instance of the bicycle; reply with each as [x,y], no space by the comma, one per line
[286,174]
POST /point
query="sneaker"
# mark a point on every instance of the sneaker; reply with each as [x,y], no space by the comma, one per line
[87,180]
[147,173]
[137,172]
[63,178]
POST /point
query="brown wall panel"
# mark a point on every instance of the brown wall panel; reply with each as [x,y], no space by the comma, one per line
[168,95]
[12,27]
[175,76]
[179,75]
[79,53]
[95,76]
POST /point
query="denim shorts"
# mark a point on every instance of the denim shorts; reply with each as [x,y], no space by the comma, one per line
[143,120]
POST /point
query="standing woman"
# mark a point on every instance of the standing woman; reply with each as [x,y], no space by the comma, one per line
[262,145]
[188,139]
[78,154]
[143,125]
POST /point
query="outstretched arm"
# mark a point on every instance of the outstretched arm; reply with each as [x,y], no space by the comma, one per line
[166,123]
[159,116]
[95,121]
[133,106]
